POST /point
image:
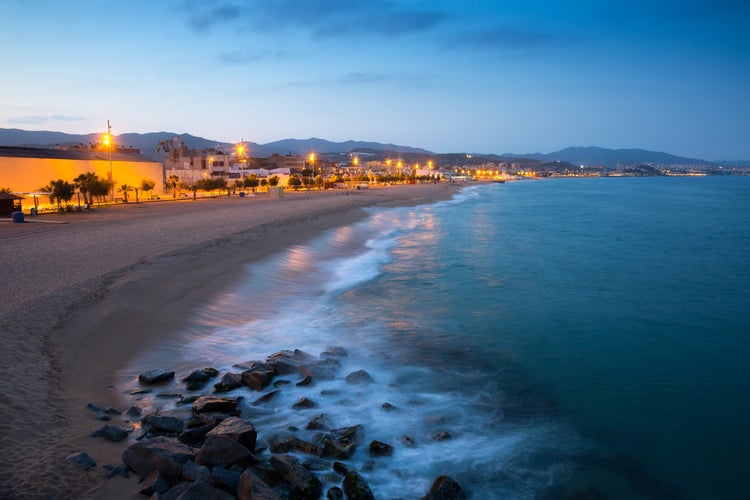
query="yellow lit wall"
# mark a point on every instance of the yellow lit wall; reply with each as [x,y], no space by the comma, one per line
[25,175]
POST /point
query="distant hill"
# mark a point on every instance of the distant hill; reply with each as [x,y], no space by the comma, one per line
[594,156]
[147,143]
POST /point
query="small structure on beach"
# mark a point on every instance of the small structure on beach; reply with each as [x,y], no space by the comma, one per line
[9,203]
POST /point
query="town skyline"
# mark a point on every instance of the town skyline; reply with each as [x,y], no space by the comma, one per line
[488,77]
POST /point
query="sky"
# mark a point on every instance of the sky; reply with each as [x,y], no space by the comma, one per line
[480,76]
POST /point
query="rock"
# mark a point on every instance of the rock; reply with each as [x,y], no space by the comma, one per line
[319,423]
[316,465]
[206,404]
[304,483]
[334,352]
[359,377]
[211,372]
[195,491]
[441,436]
[115,433]
[407,441]
[155,482]
[380,449]
[257,380]
[356,488]
[100,415]
[335,493]
[239,429]
[388,407]
[334,449]
[224,451]
[122,470]
[368,466]
[265,398]
[93,407]
[445,488]
[195,436]
[293,443]
[229,381]
[197,376]
[155,376]
[100,431]
[133,411]
[281,383]
[163,425]
[304,403]
[352,434]
[340,468]
[165,454]
[82,459]
[252,487]
[308,381]
[195,473]
[112,411]
[225,479]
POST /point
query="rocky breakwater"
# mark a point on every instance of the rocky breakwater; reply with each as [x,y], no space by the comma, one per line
[206,447]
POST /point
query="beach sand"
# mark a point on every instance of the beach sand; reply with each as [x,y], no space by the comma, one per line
[84,297]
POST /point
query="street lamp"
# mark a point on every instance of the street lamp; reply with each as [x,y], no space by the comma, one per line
[311,161]
[108,143]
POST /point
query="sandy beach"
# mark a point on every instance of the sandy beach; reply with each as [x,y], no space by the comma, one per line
[84,296]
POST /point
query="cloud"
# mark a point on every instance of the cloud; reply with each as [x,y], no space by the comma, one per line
[317,18]
[237,57]
[39,119]
[506,38]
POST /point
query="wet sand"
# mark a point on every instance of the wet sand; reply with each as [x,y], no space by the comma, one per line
[84,297]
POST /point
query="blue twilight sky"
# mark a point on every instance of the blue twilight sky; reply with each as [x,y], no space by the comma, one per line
[449,76]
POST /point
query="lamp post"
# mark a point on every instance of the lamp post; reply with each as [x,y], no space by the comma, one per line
[108,143]
[311,160]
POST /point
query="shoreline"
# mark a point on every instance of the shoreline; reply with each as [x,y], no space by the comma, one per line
[138,294]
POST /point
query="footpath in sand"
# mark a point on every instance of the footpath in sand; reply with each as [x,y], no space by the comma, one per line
[82,298]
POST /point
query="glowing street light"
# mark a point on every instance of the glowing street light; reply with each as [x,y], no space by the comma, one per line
[311,161]
[108,142]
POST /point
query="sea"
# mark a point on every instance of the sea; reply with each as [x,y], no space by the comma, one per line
[558,338]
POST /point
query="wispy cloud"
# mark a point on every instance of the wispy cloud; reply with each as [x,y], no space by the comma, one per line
[237,57]
[318,18]
[506,38]
[39,119]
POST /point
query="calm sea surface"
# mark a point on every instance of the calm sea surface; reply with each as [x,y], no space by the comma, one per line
[570,335]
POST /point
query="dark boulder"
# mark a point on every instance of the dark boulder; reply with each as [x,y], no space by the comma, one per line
[195,436]
[194,472]
[319,423]
[380,449]
[308,381]
[155,482]
[304,484]
[218,404]
[293,443]
[359,377]
[197,376]
[257,379]
[195,491]
[335,493]
[441,436]
[155,376]
[229,381]
[115,433]
[239,429]
[93,407]
[357,488]
[225,479]
[335,449]
[82,460]
[165,454]
[407,441]
[133,411]
[340,468]
[266,397]
[388,407]
[163,425]
[224,451]
[252,487]
[445,488]
[304,404]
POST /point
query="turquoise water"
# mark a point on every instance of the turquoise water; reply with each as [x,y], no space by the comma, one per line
[571,335]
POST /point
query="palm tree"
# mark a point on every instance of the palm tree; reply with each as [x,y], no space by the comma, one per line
[125,189]
[6,190]
[174,183]
[59,190]
[84,183]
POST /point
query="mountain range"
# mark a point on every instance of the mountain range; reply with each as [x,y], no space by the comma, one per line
[148,143]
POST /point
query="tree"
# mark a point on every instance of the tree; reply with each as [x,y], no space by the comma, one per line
[263,182]
[59,191]
[273,181]
[294,182]
[99,188]
[125,189]
[6,190]
[251,181]
[147,185]
[174,183]
[83,183]
[238,184]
